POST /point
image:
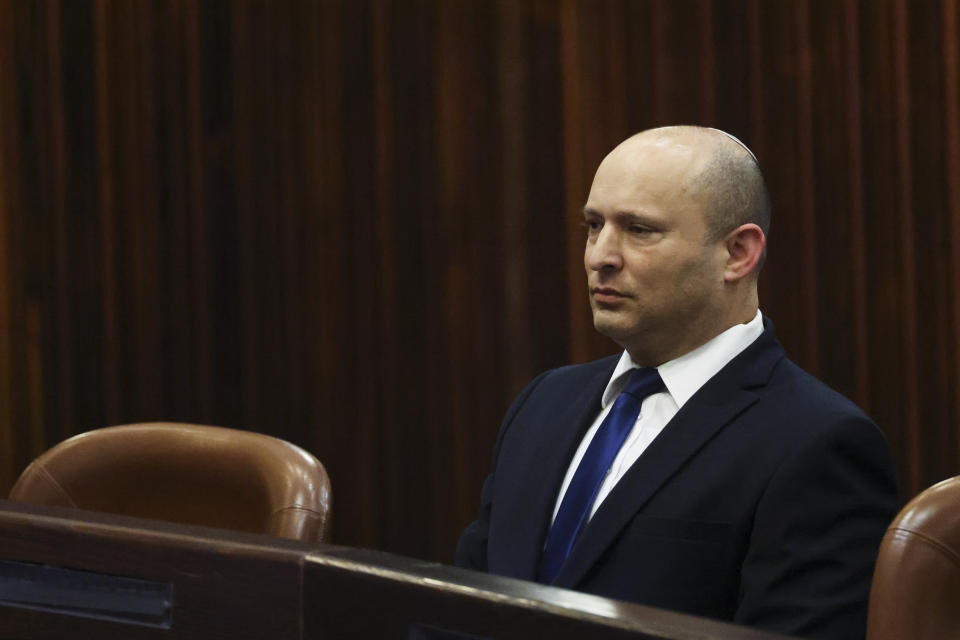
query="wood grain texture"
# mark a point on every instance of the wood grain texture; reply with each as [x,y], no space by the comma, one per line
[9,413]
[356,225]
[224,585]
[213,583]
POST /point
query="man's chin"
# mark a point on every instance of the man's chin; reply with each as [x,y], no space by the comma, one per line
[612,325]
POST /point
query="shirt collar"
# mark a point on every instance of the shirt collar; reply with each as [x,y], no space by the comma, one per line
[684,376]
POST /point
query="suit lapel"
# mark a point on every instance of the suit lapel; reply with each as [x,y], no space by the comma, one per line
[715,405]
[554,449]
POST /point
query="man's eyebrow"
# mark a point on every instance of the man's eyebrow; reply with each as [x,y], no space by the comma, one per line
[624,217]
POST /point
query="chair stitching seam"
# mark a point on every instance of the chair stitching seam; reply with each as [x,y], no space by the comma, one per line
[296,508]
[950,553]
[59,487]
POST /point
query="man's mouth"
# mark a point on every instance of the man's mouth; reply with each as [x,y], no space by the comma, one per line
[607,294]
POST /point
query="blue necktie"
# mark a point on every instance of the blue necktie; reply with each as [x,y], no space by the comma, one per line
[575,508]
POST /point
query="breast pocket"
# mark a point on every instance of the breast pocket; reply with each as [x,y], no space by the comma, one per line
[680,530]
[684,565]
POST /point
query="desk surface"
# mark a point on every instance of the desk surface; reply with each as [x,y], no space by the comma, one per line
[104,576]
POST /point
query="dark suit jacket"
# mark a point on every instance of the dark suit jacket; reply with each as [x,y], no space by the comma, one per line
[763,501]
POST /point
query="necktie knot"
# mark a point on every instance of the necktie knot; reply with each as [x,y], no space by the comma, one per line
[644,382]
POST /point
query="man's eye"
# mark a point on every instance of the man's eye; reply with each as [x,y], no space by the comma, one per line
[592,225]
[639,230]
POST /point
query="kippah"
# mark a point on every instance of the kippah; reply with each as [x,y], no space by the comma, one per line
[739,142]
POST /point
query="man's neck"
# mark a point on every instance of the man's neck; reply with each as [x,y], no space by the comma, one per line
[655,357]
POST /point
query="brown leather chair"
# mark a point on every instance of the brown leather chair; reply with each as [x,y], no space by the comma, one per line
[916,585]
[186,473]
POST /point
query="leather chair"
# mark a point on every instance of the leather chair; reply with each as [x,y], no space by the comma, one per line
[186,473]
[916,584]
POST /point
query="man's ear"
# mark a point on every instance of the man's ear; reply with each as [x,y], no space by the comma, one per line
[745,246]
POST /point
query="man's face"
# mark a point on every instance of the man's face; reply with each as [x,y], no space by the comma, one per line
[655,282]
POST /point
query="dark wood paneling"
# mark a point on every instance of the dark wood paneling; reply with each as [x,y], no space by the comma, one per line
[949,440]
[95,575]
[356,225]
[10,413]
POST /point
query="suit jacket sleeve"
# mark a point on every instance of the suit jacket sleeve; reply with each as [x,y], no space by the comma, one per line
[472,546]
[816,533]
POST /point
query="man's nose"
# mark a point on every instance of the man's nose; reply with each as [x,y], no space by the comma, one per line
[604,252]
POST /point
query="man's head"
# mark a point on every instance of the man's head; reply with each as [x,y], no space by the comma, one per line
[676,232]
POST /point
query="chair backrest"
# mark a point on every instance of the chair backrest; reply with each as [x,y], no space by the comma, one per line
[916,584]
[186,473]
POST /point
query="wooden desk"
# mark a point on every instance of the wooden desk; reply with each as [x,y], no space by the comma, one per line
[76,574]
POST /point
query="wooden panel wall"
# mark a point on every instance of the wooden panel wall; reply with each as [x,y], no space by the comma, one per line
[354,224]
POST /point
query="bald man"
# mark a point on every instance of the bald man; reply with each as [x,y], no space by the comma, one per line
[700,470]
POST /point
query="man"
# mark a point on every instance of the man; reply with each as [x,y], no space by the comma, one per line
[724,481]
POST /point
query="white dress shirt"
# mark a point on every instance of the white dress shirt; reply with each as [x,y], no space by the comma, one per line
[682,377]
